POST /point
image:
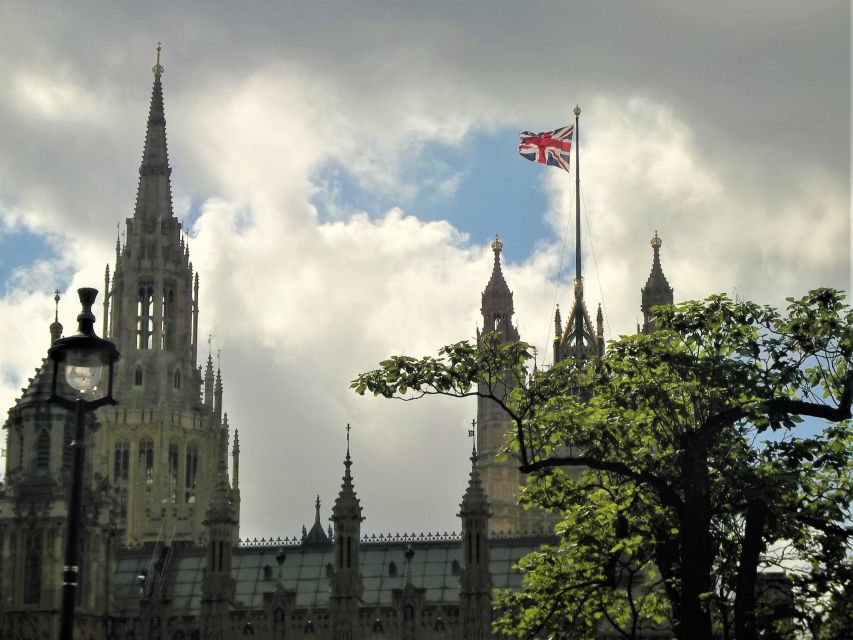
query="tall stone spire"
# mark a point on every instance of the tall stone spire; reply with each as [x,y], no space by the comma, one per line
[657,290]
[153,320]
[154,197]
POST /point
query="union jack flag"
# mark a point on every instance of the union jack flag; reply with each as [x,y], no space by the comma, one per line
[550,147]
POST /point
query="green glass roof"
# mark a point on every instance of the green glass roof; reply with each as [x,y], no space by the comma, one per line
[435,567]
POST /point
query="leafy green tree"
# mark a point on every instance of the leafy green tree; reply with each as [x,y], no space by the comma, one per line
[698,457]
[837,621]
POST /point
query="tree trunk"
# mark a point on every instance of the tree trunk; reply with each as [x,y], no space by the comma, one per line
[696,544]
[666,558]
[747,572]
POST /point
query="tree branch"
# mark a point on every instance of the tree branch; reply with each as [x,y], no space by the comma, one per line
[786,406]
[666,493]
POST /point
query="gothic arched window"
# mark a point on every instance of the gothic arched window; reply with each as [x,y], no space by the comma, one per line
[121,461]
[167,337]
[191,473]
[177,379]
[43,450]
[121,471]
[137,376]
[267,572]
[173,473]
[146,463]
[145,315]
[392,569]
[32,569]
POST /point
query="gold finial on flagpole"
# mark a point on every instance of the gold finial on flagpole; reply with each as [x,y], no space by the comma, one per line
[577,111]
[158,68]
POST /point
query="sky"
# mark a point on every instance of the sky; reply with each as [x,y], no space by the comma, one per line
[341,169]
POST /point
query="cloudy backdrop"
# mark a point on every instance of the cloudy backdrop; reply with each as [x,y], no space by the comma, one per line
[341,168]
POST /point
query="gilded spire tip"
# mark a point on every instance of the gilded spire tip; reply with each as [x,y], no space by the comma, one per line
[577,111]
[158,68]
[497,245]
[656,241]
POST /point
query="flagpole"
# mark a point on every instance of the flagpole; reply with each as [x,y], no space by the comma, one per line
[578,276]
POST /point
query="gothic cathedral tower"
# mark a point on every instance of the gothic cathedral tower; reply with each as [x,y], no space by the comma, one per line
[500,478]
[163,445]
[657,290]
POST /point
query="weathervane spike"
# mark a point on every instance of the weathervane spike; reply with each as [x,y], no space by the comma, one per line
[158,68]
[348,430]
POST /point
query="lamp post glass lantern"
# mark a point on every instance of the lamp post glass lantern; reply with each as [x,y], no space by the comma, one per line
[83,359]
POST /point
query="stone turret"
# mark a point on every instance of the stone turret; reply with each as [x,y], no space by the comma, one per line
[217,598]
[346,580]
[657,290]
[501,478]
[496,306]
[475,583]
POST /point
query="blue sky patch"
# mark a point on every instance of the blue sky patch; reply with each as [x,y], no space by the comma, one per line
[480,184]
[188,220]
[20,248]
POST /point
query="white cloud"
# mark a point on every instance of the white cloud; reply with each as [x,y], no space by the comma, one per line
[696,146]
[642,170]
[55,98]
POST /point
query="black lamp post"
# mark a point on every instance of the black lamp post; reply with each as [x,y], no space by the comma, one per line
[83,357]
